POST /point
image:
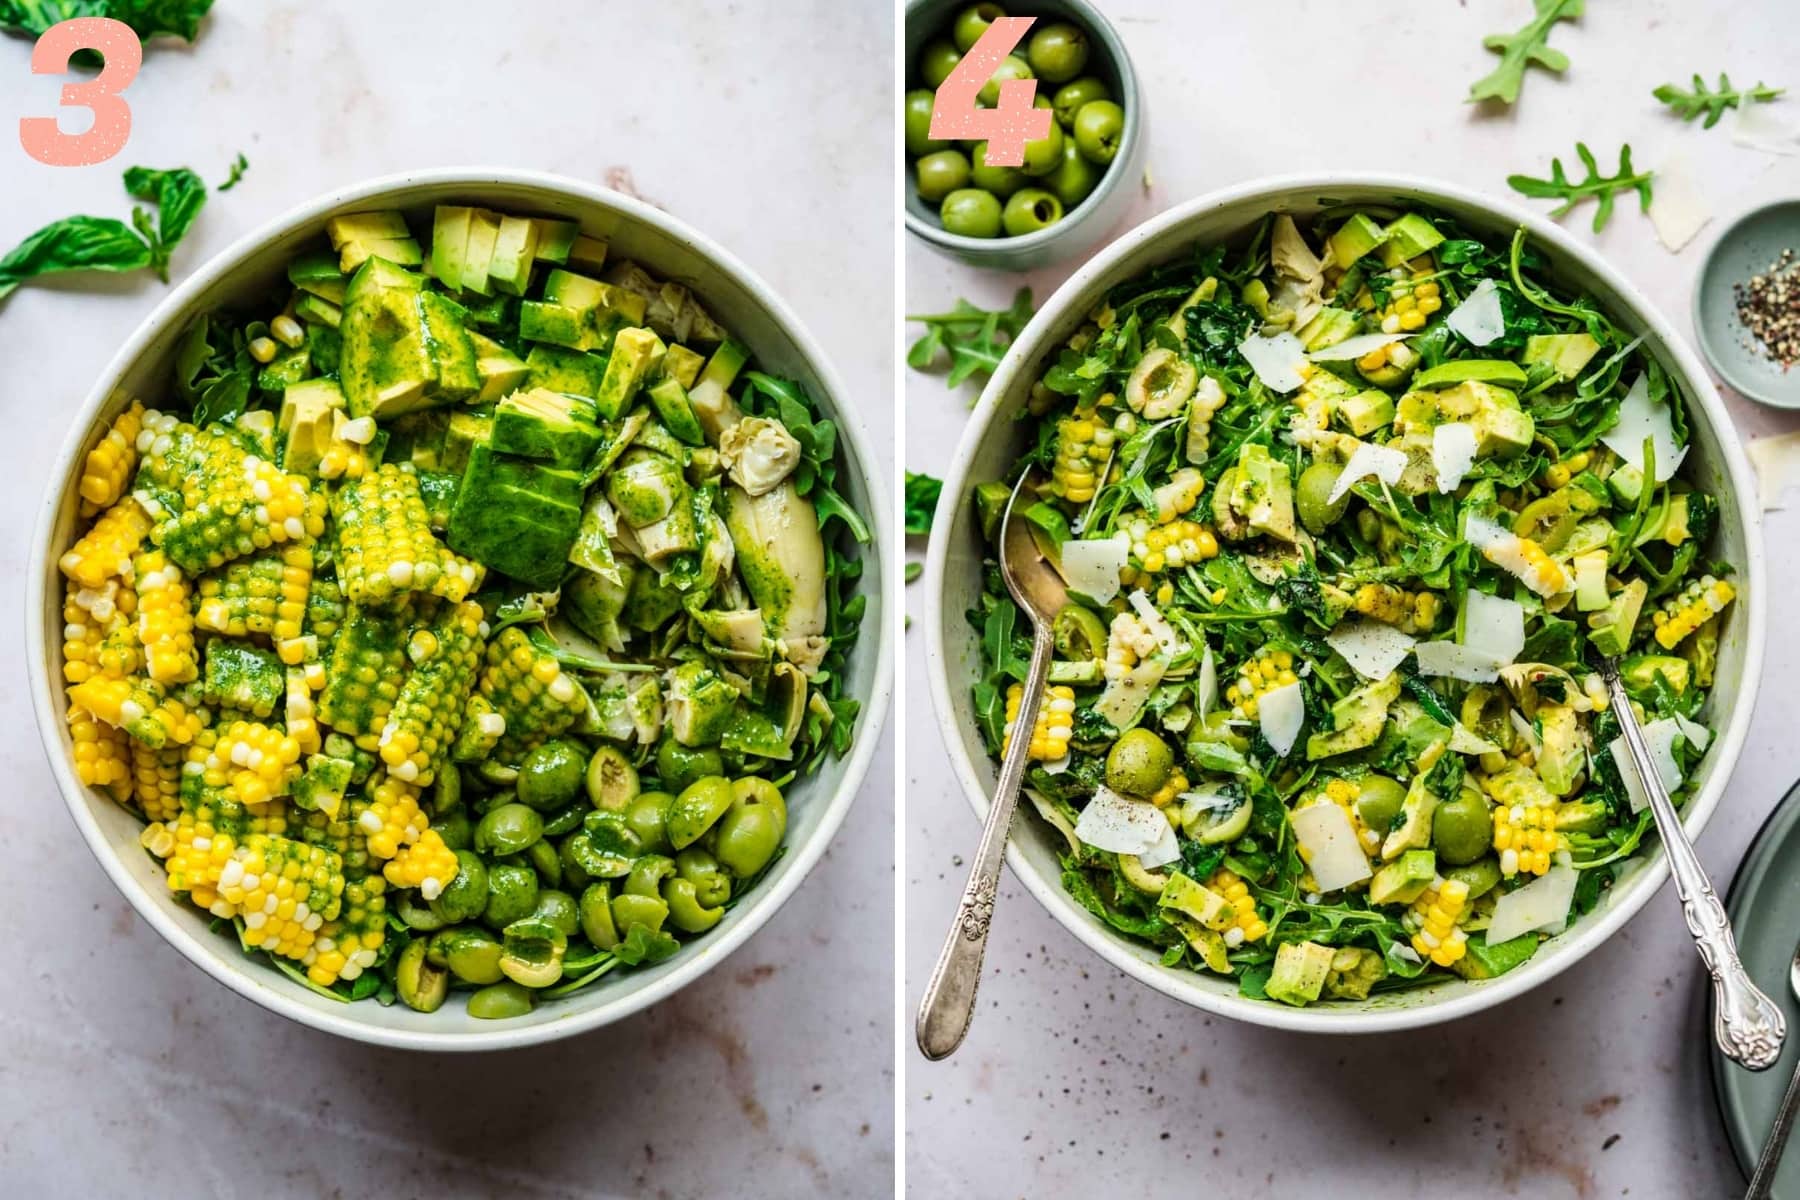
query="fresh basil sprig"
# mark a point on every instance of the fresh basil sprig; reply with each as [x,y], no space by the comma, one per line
[84,243]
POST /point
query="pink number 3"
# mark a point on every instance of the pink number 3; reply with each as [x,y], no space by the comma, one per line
[124,54]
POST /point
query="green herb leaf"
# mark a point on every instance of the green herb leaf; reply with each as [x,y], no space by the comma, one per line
[74,244]
[1596,186]
[214,371]
[922,492]
[147,18]
[975,339]
[237,172]
[1688,105]
[178,194]
[1528,46]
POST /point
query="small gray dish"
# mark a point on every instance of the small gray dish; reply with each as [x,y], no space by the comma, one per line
[1746,248]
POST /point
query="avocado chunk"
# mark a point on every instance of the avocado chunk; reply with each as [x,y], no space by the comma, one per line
[306,423]
[1564,353]
[516,516]
[1502,432]
[990,506]
[1357,719]
[1562,754]
[1366,411]
[1405,879]
[554,238]
[1640,672]
[404,251]
[478,251]
[316,311]
[1198,901]
[1408,237]
[683,365]
[458,376]
[546,425]
[1301,969]
[1626,483]
[387,366]
[1419,806]
[1355,238]
[1612,627]
[515,249]
[466,430]
[438,489]
[449,239]
[287,369]
[1483,961]
[1262,493]
[556,325]
[1355,970]
[379,225]
[1328,327]
[564,370]
[574,291]
[1590,580]
[316,273]
[588,253]
[501,371]
[1481,370]
[671,403]
[636,353]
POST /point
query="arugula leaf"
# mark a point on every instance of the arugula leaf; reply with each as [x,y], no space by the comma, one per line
[178,194]
[639,945]
[784,400]
[147,18]
[914,570]
[1597,186]
[214,371]
[1522,49]
[1688,105]
[975,339]
[922,492]
[74,244]
[237,172]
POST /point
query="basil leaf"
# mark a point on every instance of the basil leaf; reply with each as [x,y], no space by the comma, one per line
[74,244]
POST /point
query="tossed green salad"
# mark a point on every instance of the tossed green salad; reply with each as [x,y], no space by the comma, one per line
[1347,511]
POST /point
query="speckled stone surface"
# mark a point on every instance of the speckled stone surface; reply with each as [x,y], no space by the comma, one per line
[127,1071]
[1077,1081]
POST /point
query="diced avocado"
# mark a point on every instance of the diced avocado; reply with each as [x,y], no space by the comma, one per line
[418,438]
[722,368]
[1583,816]
[1357,719]
[1328,327]
[1355,238]
[574,291]
[563,370]
[515,248]
[306,422]
[404,251]
[1673,526]
[619,309]
[500,369]
[285,370]
[1626,483]
[1590,580]
[1198,901]
[1483,961]
[1482,876]
[1262,493]
[1300,972]
[317,272]
[449,239]
[478,251]
[682,365]
[588,253]
[322,785]
[466,430]
[672,407]
[438,489]
[1482,370]
[636,353]
[1417,809]
[386,224]
[1367,411]
[380,274]
[556,325]
[516,516]
[1640,672]
[1502,432]
[326,346]
[1564,353]
[387,366]
[1561,754]
[990,506]
[1355,970]
[1612,627]
[239,675]
[554,238]
[1405,879]
[1408,237]
[547,425]
[315,310]
[458,377]
[498,311]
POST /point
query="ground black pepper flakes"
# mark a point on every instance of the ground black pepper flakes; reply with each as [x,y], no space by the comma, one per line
[1769,306]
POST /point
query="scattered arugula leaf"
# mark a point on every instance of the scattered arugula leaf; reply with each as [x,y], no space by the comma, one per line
[922,492]
[214,371]
[914,570]
[179,194]
[237,172]
[1596,186]
[147,18]
[975,339]
[1688,105]
[1522,49]
[74,244]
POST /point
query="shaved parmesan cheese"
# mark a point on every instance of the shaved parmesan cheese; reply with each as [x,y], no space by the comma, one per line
[1541,904]
[1207,798]
[1383,462]
[1506,550]
[1478,318]
[1207,687]
[1760,128]
[1277,360]
[1465,741]
[1328,846]
[1659,737]
[1281,712]
[1123,825]
[1493,625]
[1777,463]
[1372,649]
[1092,566]
[1452,453]
[1456,662]
[1698,736]
[1679,211]
[1639,418]
[1357,346]
[1161,630]
[1163,853]
[1057,766]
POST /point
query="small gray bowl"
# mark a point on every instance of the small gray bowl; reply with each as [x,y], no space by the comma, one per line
[1746,248]
[1089,221]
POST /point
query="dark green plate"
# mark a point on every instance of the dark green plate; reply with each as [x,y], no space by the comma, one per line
[1764,902]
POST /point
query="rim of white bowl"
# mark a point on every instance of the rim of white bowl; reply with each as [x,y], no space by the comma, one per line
[246,980]
[1459,999]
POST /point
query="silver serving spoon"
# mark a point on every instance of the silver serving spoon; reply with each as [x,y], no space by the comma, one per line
[949,1002]
[1747,1025]
[1764,1179]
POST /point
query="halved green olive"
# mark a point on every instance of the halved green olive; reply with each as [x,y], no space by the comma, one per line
[1079,635]
[1160,384]
[612,782]
[1211,824]
[699,805]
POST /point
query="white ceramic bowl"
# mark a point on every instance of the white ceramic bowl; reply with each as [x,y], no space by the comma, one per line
[246,272]
[993,441]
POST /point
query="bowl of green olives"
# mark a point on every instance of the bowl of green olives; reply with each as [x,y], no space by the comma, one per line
[1074,184]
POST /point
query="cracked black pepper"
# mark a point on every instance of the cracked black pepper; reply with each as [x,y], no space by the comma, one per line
[1769,306]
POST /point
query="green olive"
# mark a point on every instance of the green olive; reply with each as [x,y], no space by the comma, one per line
[465,896]
[693,812]
[678,765]
[595,911]
[533,953]
[970,212]
[686,912]
[1079,634]
[936,62]
[543,858]
[1070,98]
[1212,825]
[711,884]
[1044,155]
[1029,210]
[611,779]
[1482,875]
[1058,51]
[1011,67]
[919,141]
[647,875]
[421,986]
[500,1001]
[559,909]
[512,893]
[940,173]
[457,830]
[566,818]
[1378,802]
[471,954]
[1075,177]
[1461,829]
[411,908]
[551,775]
[972,22]
[1139,763]
[648,911]
[508,829]
[1312,497]
[645,817]
[1001,182]
[1099,128]
[495,773]
[750,832]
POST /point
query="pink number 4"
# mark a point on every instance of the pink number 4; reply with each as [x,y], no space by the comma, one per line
[1012,121]
[124,54]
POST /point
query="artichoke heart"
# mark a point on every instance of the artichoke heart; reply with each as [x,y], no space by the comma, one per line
[758,453]
[782,560]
